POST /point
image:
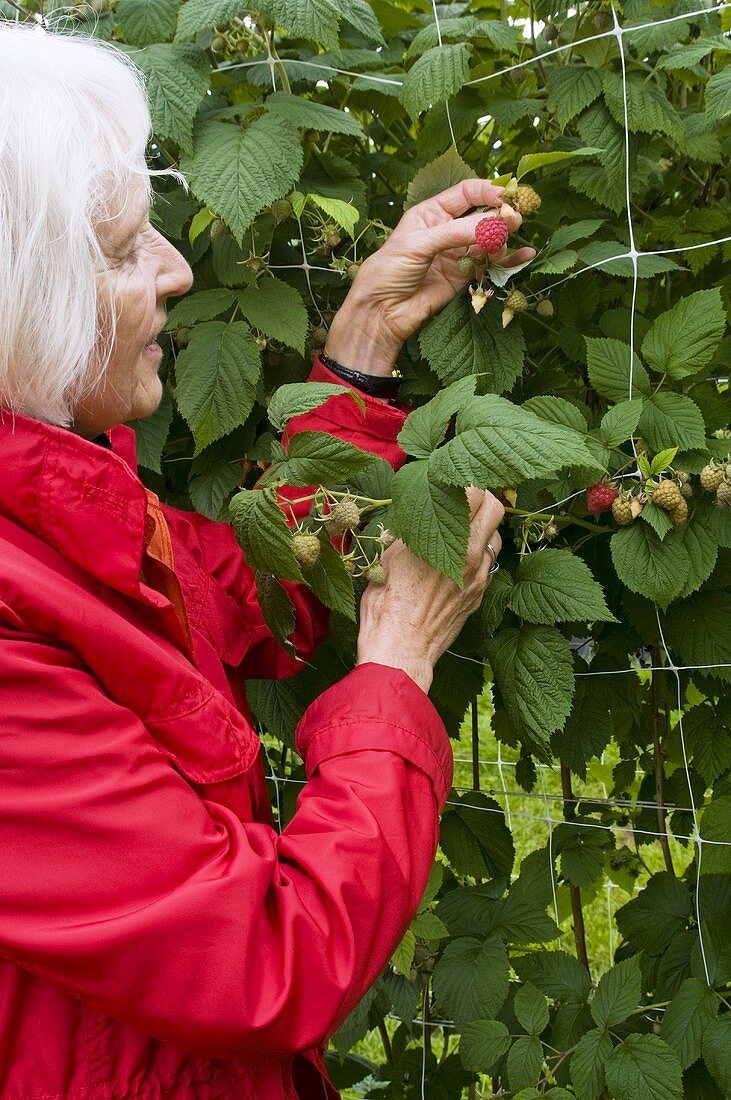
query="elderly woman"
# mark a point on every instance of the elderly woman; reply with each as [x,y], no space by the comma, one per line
[159,937]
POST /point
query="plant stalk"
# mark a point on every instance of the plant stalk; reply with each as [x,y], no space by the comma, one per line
[569,813]
[386,1040]
[658,759]
[475,747]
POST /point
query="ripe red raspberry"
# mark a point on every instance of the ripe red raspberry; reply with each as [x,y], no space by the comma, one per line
[491,234]
[600,497]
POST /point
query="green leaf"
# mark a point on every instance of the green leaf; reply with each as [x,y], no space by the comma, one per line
[152,433]
[531,1009]
[556,410]
[686,1019]
[656,569]
[580,849]
[571,89]
[217,374]
[700,543]
[237,172]
[498,444]
[685,57]
[276,309]
[316,458]
[618,993]
[715,827]
[427,926]
[575,231]
[330,581]
[296,398]
[308,114]
[504,36]
[718,95]
[210,489]
[662,460]
[471,979]
[147,21]
[202,306]
[482,1043]
[459,27]
[684,340]
[660,912]
[199,15]
[360,15]
[437,176]
[699,632]
[555,973]
[426,426]
[403,957]
[276,608]
[608,363]
[657,519]
[643,1067]
[532,161]
[432,519]
[554,586]
[457,343]
[588,1062]
[717,1052]
[263,533]
[344,213]
[437,75]
[316,20]
[525,1061]
[533,668]
[475,838]
[672,420]
[649,110]
[177,82]
[619,423]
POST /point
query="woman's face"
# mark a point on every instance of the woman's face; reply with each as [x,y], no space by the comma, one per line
[144,270]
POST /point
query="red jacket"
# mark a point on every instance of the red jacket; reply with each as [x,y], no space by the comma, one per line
[158,938]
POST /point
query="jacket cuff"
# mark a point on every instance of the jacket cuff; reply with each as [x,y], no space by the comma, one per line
[378,707]
[388,416]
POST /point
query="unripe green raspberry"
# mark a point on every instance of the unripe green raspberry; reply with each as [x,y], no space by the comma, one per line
[667,495]
[386,537]
[345,516]
[281,209]
[711,477]
[517,301]
[352,270]
[318,336]
[465,264]
[622,511]
[218,229]
[544,308]
[527,199]
[723,494]
[182,335]
[517,75]
[550,32]
[306,549]
[375,573]
[679,513]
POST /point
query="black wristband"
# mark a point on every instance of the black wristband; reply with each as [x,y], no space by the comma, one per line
[371,384]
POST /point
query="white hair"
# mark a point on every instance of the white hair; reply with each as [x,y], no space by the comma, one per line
[74,127]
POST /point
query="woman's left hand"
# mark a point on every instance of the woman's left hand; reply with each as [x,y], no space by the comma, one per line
[413,275]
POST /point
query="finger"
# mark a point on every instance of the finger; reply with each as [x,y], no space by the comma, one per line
[475,498]
[458,199]
[486,521]
[522,256]
[426,244]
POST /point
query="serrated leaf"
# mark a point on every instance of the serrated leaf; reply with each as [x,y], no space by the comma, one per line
[687,1017]
[263,533]
[177,81]
[360,15]
[608,362]
[311,115]
[555,973]
[210,489]
[330,581]
[656,569]
[700,542]
[662,460]
[575,231]
[718,95]
[296,398]
[482,1043]
[556,410]
[618,993]
[316,20]
[199,15]
[554,586]
[498,443]
[151,434]
[571,89]
[147,21]
[619,423]
[237,172]
[201,306]
[534,670]
[433,519]
[276,309]
[316,458]
[533,161]
[715,827]
[438,74]
[699,631]
[427,926]
[657,519]
[672,420]
[649,111]
[459,27]
[437,176]
[525,1061]
[660,912]
[471,979]
[216,375]
[344,213]
[403,957]
[426,426]
[558,262]
[580,849]
[277,608]
[643,1067]
[458,342]
[475,838]
[588,1062]
[685,57]
[531,1009]
[684,340]
[717,1052]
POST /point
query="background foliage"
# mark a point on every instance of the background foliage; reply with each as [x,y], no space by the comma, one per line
[353,112]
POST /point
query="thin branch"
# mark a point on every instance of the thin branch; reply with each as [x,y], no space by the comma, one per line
[658,760]
[579,931]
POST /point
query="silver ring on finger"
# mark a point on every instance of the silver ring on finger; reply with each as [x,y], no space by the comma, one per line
[495,563]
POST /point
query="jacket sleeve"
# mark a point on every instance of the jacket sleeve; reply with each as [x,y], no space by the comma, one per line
[125,886]
[222,558]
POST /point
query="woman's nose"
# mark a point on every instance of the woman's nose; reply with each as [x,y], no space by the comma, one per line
[175,276]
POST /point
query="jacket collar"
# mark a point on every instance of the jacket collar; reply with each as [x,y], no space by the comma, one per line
[84,499]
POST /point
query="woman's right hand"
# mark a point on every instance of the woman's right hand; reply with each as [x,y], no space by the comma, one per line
[413,617]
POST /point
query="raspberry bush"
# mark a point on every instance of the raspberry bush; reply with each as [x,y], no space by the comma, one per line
[304,128]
